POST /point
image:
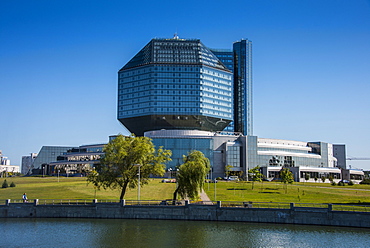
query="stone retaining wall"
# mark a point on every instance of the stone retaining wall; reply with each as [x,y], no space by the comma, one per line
[294,215]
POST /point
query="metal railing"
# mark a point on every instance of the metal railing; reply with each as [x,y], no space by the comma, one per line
[352,208]
[64,202]
[272,205]
[224,204]
[154,202]
[310,205]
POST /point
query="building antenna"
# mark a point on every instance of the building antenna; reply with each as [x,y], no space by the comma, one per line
[175,36]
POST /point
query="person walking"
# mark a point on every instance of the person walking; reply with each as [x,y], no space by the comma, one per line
[24,197]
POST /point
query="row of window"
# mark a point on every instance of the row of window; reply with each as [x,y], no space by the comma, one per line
[195,111]
[148,69]
[128,104]
[267,160]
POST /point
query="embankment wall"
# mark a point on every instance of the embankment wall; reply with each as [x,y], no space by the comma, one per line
[294,215]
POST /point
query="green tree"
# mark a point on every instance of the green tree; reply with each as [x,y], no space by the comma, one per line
[191,176]
[5,184]
[255,175]
[286,177]
[120,163]
[307,176]
[323,178]
[331,179]
[227,170]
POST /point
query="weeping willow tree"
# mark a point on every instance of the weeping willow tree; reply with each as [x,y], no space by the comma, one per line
[191,176]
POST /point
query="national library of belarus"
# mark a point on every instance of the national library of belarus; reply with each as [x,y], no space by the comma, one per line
[186,96]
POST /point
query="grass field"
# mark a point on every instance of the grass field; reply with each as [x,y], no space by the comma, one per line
[297,192]
[77,188]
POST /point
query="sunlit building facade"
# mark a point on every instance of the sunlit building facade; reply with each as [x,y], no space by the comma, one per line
[241,153]
[186,96]
[175,84]
[77,160]
[239,61]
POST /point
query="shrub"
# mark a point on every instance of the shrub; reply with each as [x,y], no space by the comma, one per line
[5,184]
[341,183]
[333,184]
[365,181]
[350,183]
[12,184]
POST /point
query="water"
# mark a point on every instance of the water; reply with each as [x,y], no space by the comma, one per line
[164,233]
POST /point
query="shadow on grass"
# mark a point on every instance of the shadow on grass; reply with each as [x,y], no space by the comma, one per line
[269,192]
[235,189]
[272,188]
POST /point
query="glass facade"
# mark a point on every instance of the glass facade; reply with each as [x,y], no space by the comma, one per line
[182,146]
[175,90]
[47,155]
[233,154]
[239,61]
[175,84]
[77,160]
[246,152]
[226,56]
[243,109]
[285,153]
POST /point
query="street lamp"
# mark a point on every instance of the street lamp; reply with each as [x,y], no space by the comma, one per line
[170,173]
[93,169]
[58,175]
[138,188]
[214,182]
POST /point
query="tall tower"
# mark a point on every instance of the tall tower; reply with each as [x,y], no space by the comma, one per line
[174,84]
[239,61]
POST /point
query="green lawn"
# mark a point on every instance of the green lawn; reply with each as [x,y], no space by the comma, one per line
[297,192]
[77,188]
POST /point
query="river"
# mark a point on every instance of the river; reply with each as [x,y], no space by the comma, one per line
[166,233]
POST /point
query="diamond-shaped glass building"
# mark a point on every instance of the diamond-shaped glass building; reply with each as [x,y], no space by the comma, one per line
[175,84]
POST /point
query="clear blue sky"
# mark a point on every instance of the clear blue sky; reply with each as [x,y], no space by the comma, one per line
[59,61]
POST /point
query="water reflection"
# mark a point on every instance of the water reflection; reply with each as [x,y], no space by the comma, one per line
[158,233]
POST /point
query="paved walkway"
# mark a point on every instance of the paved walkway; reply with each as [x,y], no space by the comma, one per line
[204,197]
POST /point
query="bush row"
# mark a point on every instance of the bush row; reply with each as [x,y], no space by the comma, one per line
[5,184]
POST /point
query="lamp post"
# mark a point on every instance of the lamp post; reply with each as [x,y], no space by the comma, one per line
[215,189]
[214,180]
[169,173]
[58,175]
[138,188]
[93,168]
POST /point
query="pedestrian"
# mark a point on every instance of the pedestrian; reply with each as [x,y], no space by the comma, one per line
[24,197]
